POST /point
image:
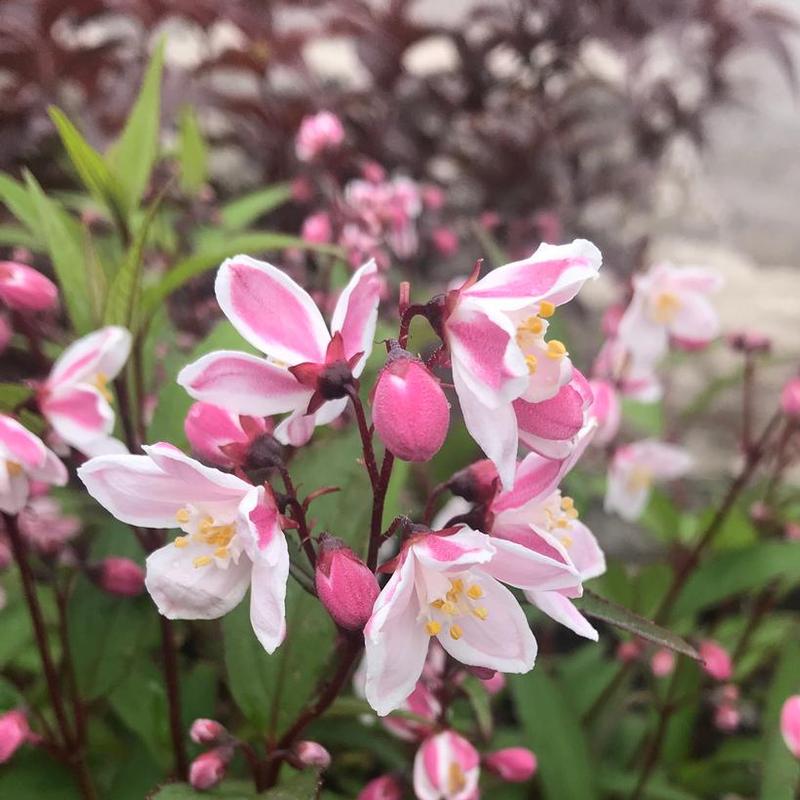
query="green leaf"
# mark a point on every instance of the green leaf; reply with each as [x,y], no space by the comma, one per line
[192,152]
[20,203]
[599,608]
[304,786]
[90,166]
[553,731]
[132,156]
[619,783]
[66,253]
[239,213]
[124,295]
[13,395]
[781,773]
[105,633]
[14,236]
[199,263]
[734,572]
[270,690]
[480,701]
[34,774]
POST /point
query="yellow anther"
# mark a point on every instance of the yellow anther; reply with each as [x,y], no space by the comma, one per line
[665,307]
[182,541]
[480,612]
[456,632]
[221,552]
[13,468]
[567,503]
[458,585]
[566,541]
[562,523]
[556,349]
[433,627]
[448,608]
[202,561]
[206,524]
[456,779]
[182,515]
[101,382]
[531,325]
[437,603]
[546,308]
[531,363]
[475,591]
[571,513]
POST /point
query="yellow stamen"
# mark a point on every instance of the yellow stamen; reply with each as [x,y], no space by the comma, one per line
[437,603]
[546,308]
[458,585]
[571,513]
[566,541]
[13,468]
[433,627]
[556,349]
[448,608]
[455,778]
[182,541]
[183,516]
[567,503]
[531,363]
[480,612]
[562,523]
[221,552]
[101,382]
[665,307]
[202,561]
[475,591]
[456,632]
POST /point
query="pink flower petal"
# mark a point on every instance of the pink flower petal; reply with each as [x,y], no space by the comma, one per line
[464,548]
[563,611]
[524,568]
[102,352]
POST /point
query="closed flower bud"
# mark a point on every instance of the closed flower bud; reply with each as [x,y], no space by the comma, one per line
[14,732]
[409,409]
[446,767]
[207,731]
[386,787]
[495,684]
[24,289]
[120,576]
[662,663]
[513,764]
[790,724]
[629,651]
[716,660]
[727,718]
[790,399]
[749,342]
[317,229]
[312,754]
[318,133]
[477,483]
[345,585]
[208,769]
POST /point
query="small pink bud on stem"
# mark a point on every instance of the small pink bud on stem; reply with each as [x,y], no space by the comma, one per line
[790,399]
[716,660]
[662,663]
[790,724]
[120,576]
[208,769]
[311,754]
[512,764]
[208,731]
[14,732]
[345,585]
[386,787]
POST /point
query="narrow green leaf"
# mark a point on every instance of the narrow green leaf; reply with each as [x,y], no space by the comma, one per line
[734,572]
[32,421]
[13,395]
[132,156]
[192,152]
[66,253]
[15,236]
[552,729]
[90,165]
[20,203]
[595,606]
[239,213]
[96,279]
[270,690]
[481,706]
[780,777]
[201,262]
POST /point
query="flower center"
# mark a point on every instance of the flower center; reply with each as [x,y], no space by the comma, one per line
[201,528]
[559,517]
[665,306]
[639,478]
[13,468]
[457,602]
[530,337]
[456,780]
[101,383]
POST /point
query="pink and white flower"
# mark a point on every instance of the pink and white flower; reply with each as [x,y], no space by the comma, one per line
[23,288]
[669,303]
[635,468]
[23,459]
[633,377]
[495,332]
[75,398]
[446,767]
[447,586]
[231,540]
[278,317]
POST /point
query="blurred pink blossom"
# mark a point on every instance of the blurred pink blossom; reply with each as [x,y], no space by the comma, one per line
[662,663]
[317,134]
[23,288]
[790,724]
[446,767]
[717,660]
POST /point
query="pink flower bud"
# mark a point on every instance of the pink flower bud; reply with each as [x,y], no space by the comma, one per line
[791,531]
[495,684]
[717,660]
[24,289]
[312,754]
[727,718]
[409,409]
[384,788]
[121,576]
[790,399]
[512,764]
[207,731]
[446,766]
[345,585]
[662,663]
[445,240]
[318,133]
[14,732]
[790,724]
[749,342]
[5,333]
[219,436]
[317,229]
[489,220]
[477,483]
[373,172]
[208,769]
